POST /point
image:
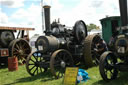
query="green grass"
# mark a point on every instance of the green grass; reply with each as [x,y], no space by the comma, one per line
[21,77]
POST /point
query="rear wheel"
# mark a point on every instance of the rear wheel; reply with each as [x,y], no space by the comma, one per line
[107,62]
[91,57]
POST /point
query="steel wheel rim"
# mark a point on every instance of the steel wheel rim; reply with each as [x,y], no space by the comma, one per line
[57,62]
[33,63]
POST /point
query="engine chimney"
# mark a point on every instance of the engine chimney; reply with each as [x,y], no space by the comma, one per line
[123,12]
[47,19]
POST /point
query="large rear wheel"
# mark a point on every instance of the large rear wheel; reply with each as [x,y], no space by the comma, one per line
[91,57]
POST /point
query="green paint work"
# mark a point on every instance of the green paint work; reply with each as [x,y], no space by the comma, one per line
[106,23]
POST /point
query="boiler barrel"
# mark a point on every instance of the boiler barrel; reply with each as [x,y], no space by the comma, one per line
[47,43]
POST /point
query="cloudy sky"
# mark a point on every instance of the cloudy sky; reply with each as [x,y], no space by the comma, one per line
[27,13]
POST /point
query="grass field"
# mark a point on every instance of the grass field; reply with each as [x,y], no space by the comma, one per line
[21,77]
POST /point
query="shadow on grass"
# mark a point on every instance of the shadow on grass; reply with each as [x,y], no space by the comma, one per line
[47,76]
[121,80]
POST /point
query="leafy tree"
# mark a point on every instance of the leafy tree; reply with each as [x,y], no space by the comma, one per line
[92,26]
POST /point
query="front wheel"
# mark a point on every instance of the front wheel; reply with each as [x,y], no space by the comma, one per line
[107,66]
[36,63]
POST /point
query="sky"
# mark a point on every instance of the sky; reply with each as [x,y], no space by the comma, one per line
[28,13]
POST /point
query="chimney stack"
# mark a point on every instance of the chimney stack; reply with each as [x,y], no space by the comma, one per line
[47,19]
[123,12]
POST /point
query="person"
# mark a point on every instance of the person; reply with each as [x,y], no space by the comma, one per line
[111,42]
[101,46]
[26,37]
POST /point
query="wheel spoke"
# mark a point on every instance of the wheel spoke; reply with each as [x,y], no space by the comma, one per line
[18,56]
[34,71]
[32,68]
[15,49]
[57,65]
[20,45]
[37,70]
[40,59]
[31,64]
[26,49]
[58,74]
[17,46]
[15,53]
[34,57]
[23,60]
[58,57]
[25,54]
[64,57]
[32,60]
[106,71]
[23,45]
[45,69]
[111,72]
[41,69]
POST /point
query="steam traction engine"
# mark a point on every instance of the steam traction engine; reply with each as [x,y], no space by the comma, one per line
[13,46]
[61,47]
[117,58]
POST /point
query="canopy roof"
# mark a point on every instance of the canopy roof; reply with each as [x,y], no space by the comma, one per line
[15,28]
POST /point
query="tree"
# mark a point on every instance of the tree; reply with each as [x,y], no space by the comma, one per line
[92,26]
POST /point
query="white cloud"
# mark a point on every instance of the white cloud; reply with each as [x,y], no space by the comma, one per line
[12,3]
[30,17]
[57,6]
[33,13]
[3,18]
[91,11]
